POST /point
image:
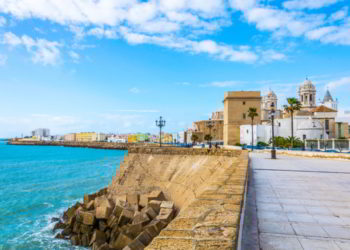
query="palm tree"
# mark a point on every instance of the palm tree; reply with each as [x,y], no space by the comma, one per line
[252,113]
[293,105]
[194,138]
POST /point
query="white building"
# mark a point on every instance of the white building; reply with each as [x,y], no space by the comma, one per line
[41,133]
[305,127]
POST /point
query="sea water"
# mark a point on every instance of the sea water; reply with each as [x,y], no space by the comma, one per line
[38,183]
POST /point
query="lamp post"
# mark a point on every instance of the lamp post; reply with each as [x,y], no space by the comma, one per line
[210,124]
[272,114]
[160,124]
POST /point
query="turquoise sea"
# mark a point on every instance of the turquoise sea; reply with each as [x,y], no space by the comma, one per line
[38,183]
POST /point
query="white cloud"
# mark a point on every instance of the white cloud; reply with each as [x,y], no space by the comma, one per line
[282,22]
[3,21]
[43,51]
[74,55]
[271,55]
[3,60]
[339,15]
[222,84]
[101,33]
[134,90]
[338,83]
[242,4]
[179,24]
[308,4]
[331,34]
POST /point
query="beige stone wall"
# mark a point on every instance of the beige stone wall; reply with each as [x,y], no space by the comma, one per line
[217,131]
[236,104]
[346,130]
[207,187]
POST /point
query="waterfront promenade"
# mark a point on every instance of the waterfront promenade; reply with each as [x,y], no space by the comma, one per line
[297,203]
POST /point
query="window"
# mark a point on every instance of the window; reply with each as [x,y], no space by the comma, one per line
[304,137]
[243,103]
[302,98]
[327,124]
[279,124]
[244,116]
[247,131]
[310,98]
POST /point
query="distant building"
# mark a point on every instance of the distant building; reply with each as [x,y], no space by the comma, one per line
[70,137]
[41,132]
[217,131]
[101,137]
[236,106]
[90,137]
[182,137]
[329,102]
[217,115]
[268,102]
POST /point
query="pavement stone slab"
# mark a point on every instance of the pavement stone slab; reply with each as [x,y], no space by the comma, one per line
[301,203]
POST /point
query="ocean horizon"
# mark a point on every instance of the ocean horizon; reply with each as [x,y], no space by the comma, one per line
[39,183]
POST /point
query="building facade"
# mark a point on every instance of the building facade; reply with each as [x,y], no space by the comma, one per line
[86,137]
[41,132]
[217,130]
[70,137]
[236,105]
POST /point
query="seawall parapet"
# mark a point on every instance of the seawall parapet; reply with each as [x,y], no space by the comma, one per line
[206,186]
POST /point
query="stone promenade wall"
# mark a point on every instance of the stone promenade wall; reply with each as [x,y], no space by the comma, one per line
[207,187]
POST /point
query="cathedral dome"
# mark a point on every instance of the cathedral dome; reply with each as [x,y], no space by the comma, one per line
[307,85]
[271,94]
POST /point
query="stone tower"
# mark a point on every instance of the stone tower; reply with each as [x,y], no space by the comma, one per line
[267,101]
[307,95]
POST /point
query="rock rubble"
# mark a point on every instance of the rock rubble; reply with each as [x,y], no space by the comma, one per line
[105,222]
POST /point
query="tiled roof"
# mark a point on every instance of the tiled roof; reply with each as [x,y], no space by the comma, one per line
[323,109]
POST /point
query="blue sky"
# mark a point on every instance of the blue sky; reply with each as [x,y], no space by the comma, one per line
[117,65]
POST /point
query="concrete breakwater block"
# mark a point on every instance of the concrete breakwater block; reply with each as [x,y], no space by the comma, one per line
[103,222]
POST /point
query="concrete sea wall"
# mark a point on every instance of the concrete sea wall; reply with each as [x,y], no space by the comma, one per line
[207,187]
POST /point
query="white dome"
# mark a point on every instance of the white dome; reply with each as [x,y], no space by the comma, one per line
[307,84]
[271,94]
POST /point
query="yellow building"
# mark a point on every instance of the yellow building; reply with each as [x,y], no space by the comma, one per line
[86,136]
[236,106]
[132,138]
[168,138]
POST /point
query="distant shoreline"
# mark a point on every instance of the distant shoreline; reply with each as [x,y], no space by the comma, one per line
[96,145]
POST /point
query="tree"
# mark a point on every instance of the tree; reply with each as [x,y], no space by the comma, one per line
[293,105]
[208,137]
[194,138]
[252,114]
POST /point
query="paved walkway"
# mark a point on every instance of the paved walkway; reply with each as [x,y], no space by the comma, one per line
[300,203]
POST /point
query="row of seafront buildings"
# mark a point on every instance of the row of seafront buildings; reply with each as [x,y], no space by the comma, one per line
[232,126]
[43,134]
